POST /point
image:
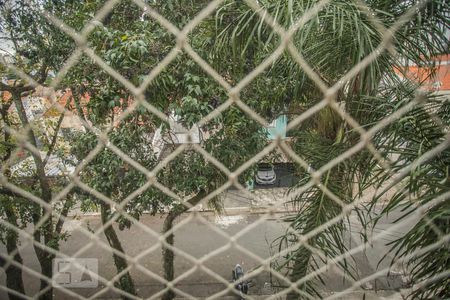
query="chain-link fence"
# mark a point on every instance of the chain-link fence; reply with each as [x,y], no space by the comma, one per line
[119,194]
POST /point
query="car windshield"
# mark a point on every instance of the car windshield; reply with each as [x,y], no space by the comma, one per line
[265,167]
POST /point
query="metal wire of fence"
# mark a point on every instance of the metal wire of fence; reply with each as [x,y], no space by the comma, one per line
[233,91]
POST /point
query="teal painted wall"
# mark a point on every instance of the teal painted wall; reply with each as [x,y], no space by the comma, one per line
[279,128]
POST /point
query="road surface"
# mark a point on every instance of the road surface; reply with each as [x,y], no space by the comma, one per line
[197,238]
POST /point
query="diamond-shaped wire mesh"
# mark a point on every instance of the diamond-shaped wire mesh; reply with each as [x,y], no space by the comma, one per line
[170,177]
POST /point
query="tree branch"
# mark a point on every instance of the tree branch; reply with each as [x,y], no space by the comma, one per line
[7,192]
[43,73]
[55,135]
[16,88]
[7,135]
[65,210]
[76,100]
[6,87]
[193,201]
[45,187]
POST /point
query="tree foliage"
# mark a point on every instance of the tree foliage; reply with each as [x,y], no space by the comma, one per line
[235,40]
[332,42]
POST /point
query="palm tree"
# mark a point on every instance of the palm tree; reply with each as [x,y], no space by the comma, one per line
[341,35]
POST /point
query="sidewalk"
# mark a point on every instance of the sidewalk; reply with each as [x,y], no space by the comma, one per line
[275,200]
[262,200]
[256,201]
[357,295]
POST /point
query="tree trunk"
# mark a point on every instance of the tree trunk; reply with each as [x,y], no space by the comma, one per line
[299,271]
[46,230]
[76,95]
[47,271]
[125,282]
[14,273]
[44,257]
[168,256]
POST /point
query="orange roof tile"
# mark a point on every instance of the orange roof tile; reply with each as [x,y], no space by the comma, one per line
[439,80]
[6,96]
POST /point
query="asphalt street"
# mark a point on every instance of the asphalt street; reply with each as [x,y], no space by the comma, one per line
[201,238]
